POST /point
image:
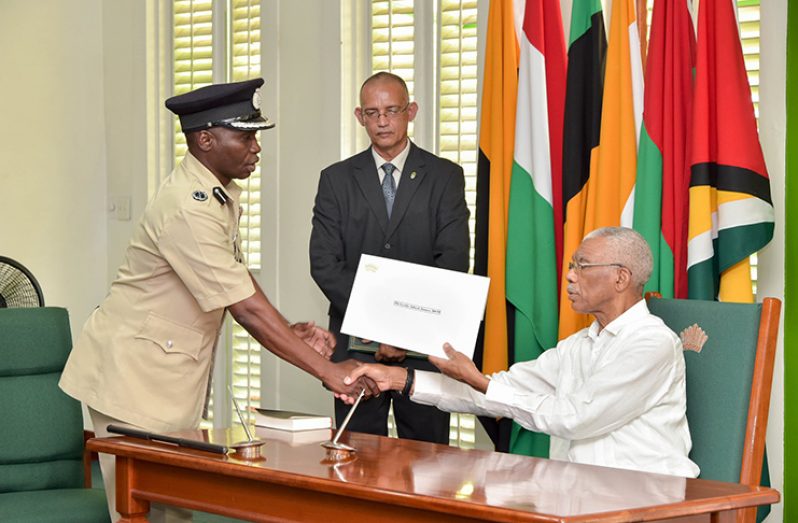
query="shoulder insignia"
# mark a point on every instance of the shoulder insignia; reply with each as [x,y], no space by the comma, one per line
[220,195]
[693,338]
[200,196]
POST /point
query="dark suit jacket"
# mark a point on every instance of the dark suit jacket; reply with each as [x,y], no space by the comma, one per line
[428,225]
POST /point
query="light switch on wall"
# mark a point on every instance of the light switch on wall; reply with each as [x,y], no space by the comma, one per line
[120,207]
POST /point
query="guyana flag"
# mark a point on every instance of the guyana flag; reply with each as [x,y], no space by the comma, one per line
[497,134]
[608,193]
[663,172]
[731,212]
[534,194]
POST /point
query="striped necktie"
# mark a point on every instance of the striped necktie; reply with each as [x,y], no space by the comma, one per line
[388,186]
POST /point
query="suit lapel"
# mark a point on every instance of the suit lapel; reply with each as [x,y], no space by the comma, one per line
[412,175]
[365,173]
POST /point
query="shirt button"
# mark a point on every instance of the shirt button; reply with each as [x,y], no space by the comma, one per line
[387,246]
[169,344]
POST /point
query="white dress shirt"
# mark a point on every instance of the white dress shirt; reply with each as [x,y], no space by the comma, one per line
[398,162]
[614,398]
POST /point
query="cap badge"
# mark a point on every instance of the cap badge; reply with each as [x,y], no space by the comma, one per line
[256,99]
[200,196]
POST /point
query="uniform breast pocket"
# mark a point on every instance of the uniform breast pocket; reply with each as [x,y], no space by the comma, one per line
[172,337]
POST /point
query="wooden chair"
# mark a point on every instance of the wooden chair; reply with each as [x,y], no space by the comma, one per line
[41,433]
[728,383]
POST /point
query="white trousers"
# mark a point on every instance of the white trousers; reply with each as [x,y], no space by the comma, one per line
[158,513]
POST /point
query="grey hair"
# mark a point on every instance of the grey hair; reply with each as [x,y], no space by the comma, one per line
[630,249]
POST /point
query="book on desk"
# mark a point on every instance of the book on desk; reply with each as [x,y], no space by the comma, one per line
[290,420]
[295,438]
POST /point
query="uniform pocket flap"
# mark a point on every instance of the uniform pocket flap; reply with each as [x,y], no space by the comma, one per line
[172,336]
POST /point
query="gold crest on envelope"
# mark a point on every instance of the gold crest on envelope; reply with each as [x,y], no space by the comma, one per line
[693,338]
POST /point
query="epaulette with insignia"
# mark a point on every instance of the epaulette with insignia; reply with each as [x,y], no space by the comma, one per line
[220,195]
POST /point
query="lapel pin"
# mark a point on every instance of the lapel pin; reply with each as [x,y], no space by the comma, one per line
[413,175]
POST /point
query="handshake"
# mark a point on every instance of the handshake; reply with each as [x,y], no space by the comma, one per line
[456,365]
[347,378]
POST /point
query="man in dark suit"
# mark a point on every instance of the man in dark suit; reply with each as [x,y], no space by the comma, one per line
[397,201]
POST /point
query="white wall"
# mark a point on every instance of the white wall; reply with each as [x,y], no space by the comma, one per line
[301,67]
[772,131]
[124,77]
[53,150]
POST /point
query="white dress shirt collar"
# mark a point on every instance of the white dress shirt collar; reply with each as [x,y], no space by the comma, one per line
[632,315]
[398,162]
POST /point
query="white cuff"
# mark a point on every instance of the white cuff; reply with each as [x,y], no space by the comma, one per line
[500,393]
[427,385]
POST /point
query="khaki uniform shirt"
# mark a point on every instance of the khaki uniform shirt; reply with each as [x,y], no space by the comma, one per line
[145,353]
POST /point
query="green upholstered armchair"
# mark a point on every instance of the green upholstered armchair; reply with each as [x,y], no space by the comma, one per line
[729,364]
[41,428]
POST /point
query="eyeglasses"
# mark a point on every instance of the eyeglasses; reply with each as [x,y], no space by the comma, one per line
[390,113]
[578,267]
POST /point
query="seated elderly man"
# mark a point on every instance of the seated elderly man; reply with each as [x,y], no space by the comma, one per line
[612,394]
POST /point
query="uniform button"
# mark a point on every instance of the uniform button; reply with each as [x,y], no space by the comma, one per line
[387,246]
[169,344]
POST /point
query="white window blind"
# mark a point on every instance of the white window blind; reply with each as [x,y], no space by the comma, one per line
[192,55]
[393,41]
[245,64]
[193,52]
[450,78]
[748,17]
[457,121]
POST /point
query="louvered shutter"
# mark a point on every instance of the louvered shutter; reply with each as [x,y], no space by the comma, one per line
[192,53]
[451,77]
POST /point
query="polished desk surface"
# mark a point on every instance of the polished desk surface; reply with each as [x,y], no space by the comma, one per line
[407,481]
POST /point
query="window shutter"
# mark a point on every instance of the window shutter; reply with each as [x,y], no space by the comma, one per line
[457,99]
[245,57]
[457,130]
[748,17]
[394,30]
[192,55]
[193,48]
[393,41]
[392,37]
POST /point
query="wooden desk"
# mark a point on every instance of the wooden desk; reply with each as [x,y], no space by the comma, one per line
[402,480]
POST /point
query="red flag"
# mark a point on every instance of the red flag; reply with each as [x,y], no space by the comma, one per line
[731,213]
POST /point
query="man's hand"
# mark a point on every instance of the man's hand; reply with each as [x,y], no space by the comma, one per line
[384,377]
[390,354]
[320,340]
[349,390]
[458,366]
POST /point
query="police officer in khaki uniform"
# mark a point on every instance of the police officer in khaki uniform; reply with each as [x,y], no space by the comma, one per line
[145,354]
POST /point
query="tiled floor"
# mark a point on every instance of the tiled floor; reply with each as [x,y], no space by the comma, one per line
[199,517]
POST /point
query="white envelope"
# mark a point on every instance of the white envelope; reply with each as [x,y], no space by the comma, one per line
[415,307]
